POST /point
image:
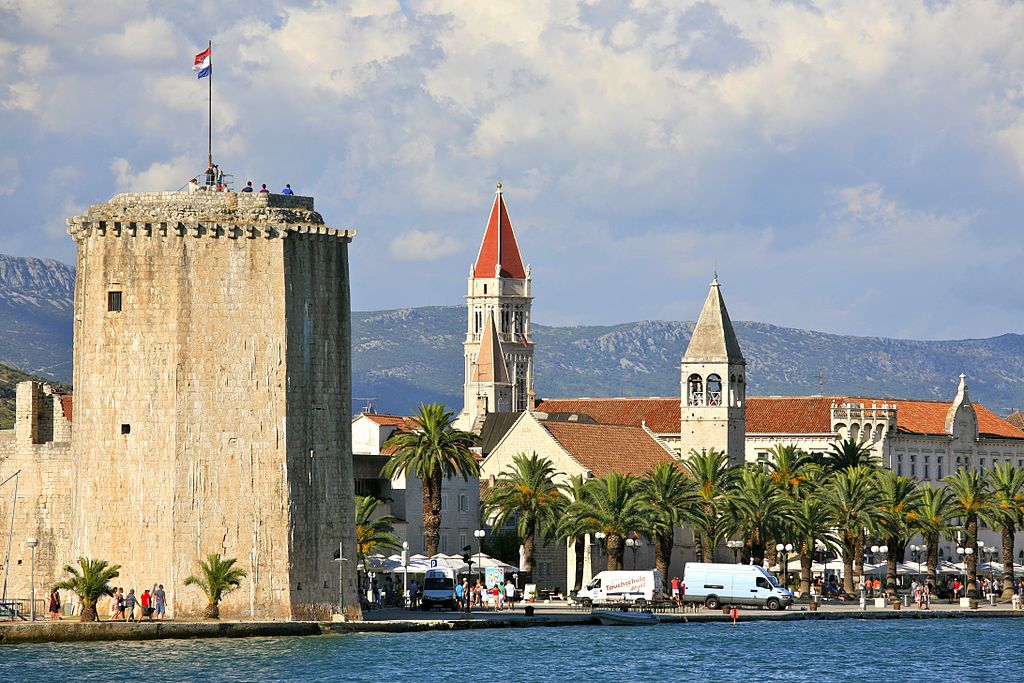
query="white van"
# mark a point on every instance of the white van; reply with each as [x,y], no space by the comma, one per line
[733,584]
[622,586]
[438,588]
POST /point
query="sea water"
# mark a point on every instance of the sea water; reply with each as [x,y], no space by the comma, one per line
[821,651]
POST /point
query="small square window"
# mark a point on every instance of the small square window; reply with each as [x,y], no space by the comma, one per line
[114,301]
[126,429]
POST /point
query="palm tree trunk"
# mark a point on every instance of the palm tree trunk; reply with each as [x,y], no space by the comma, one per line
[529,542]
[806,560]
[932,558]
[858,556]
[432,513]
[698,545]
[972,559]
[849,550]
[891,558]
[1008,530]
[662,555]
[89,613]
[580,545]
[616,548]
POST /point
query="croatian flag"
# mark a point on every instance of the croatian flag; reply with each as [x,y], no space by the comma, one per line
[203,67]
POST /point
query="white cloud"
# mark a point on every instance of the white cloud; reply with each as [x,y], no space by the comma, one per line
[423,245]
[147,40]
[162,176]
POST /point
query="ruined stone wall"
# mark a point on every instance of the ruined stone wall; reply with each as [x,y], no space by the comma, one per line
[186,398]
[39,449]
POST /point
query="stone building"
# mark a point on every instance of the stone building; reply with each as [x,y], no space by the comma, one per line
[498,303]
[35,457]
[212,393]
[460,497]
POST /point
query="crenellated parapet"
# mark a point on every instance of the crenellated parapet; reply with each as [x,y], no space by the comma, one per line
[203,214]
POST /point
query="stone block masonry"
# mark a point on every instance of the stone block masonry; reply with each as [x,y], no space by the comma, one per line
[212,397]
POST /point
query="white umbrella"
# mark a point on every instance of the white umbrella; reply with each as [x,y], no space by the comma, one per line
[990,568]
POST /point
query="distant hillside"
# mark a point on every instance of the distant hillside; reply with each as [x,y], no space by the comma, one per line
[36,305]
[402,357]
[407,355]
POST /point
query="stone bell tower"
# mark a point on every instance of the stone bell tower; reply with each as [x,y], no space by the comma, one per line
[213,398]
[713,410]
[499,290]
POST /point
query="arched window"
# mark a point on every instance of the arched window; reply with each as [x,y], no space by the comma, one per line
[714,390]
[695,390]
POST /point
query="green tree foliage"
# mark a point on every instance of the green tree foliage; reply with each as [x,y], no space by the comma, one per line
[217,577]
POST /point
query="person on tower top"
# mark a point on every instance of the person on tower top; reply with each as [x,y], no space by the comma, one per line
[287,189]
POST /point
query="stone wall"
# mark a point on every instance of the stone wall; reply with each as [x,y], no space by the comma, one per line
[39,450]
[211,411]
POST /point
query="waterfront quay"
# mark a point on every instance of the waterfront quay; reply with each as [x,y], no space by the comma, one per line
[398,620]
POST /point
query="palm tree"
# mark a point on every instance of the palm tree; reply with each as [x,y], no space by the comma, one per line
[570,528]
[90,581]
[673,501]
[932,521]
[217,577]
[851,499]
[848,454]
[373,534]
[1006,513]
[811,523]
[789,467]
[899,499]
[432,451]
[758,509]
[713,479]
[612,505]
[971,497]
[527,492]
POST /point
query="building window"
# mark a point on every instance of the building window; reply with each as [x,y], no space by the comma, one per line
[899,465]
[982,463]
[444,543]
[462,541]
[463,503]
[714,390]
[444,502]
[695,390]
[114,301]
[126,429]
[938,467]
[926,469]
[913,466]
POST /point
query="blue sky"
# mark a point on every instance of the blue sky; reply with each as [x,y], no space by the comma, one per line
[847,167]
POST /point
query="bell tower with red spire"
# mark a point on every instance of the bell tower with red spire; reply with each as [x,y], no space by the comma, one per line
[499,290]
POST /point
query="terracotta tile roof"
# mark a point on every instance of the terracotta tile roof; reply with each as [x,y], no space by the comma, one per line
[499,245]
[1016,418]
[607,448]
[660,414]
[387,420]
[65,404]
[789,414]
[779,414]
[929,417]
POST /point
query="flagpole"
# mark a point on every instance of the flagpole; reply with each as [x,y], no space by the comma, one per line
[209,138]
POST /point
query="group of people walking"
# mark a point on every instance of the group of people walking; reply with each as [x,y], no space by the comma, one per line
[150,603]
[498,597]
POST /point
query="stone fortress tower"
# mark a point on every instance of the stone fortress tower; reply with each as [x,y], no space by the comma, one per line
[713,410]
[213,397]
[498,304]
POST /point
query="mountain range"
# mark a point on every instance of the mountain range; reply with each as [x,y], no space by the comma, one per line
[406,356]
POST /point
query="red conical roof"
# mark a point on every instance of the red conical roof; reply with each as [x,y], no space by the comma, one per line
[499,246]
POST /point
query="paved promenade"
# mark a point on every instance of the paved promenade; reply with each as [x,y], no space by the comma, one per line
[401,620]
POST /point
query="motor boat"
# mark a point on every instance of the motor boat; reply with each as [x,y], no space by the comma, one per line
[620,618]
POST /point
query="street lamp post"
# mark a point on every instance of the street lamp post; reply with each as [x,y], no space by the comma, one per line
[735,547]
[341,560]
[479,533]
[599,536]
[784,551]
[405,573]
[32,543]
